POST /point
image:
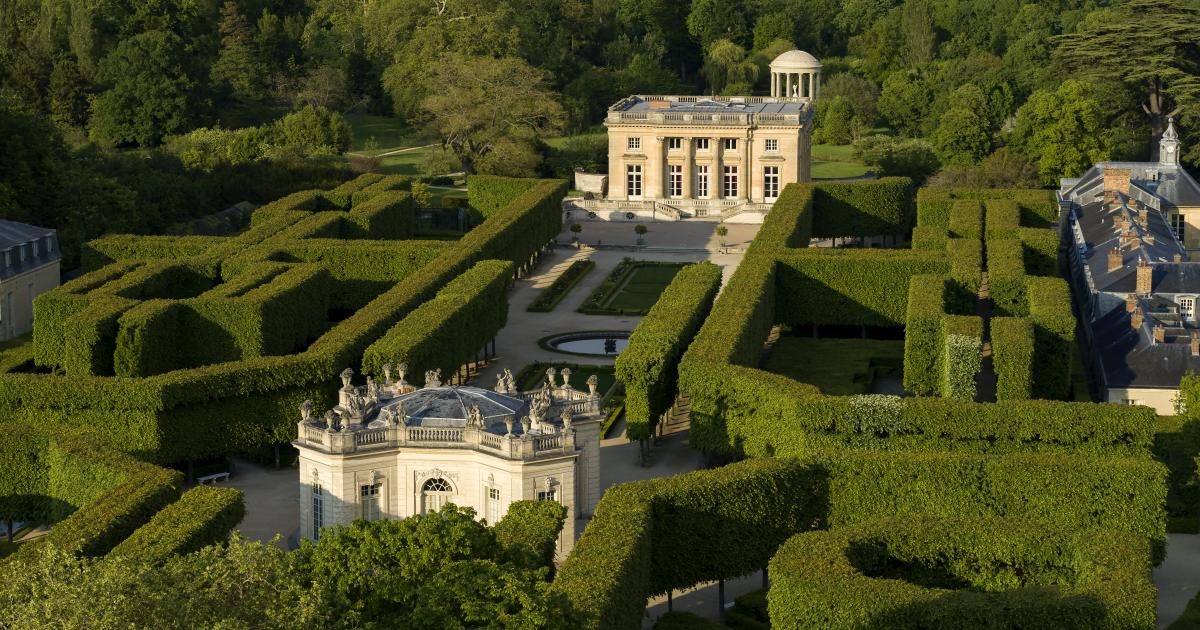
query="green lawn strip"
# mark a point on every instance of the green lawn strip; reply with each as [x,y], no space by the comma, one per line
[839,367]
[1177,445]
[632,288]
[562,285]
[386,131]
[533,375]
[822,169]
[834,152]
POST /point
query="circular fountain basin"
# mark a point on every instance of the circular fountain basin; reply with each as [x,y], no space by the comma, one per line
[591,343]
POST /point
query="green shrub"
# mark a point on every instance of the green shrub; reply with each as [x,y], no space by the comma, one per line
[741,318]
[1006,277]
[1012,357]
[203,516]
[929,237]
[648,367]
[966,271]
[384,184]
[790,221]
[529,532]
[1041,251]
[387,215]
[489,193]
[749,612]
[342,195]
[923,334]
[102,251]
[1003,218]
[1039,208]
[962,358]
[621,279]
[961,572]
[562,285]
[24,474]
[447,331]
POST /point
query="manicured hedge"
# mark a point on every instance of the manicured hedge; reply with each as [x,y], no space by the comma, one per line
[562,285]
[488,193]
[203,516]
[681,620]
[24,473]
[965,258]
[848,286]
[387,215]
[1003,218]
[923,334]
[862,208]
[107,249]
[970,572]
[1054,336]
[966,219]
[929,237]
[1041,251]
[342,195]
[962,355]
[529,532]
[741,318]
[447,331]
[650,536]
[384,184]
[739,412]
[1012,357]
[617,280]
[790,221]
[1006,277]
[1038,207]
[648,367]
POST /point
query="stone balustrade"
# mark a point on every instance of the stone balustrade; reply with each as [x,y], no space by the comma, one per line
[517,447]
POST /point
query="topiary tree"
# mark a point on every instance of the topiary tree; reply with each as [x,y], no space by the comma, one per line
[576,229]
[640,230]
[722,231]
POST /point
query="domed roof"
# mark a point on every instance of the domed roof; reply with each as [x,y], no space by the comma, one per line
[450,406]
[795,60]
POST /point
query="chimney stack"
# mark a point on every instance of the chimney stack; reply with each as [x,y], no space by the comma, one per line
[1117,179]
[1115,259]
[1160,333]
[1196,343]
[1145,275]
[1177,258]
[1135,322]
[1130,303]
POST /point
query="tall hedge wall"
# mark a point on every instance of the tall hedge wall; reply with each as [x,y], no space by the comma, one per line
[203,516]
[741,318]
[961,356]
[923,334]
[447,331]
[790,221]
[650,536]
[648,367]
[972,572]
[862,208]
[1006,277]
[529,532]
[24,474]
[848,286]
[387,215]
[488,193]
[1012,357]
[1054,336]
[966,219]
[1039,208]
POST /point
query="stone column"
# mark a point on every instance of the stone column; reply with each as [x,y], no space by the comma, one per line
[746,172]
[652,182]
[773,84]
[714,170]
[689,150]
[788,84]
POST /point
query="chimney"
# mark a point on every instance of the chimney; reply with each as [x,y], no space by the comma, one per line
[1149,238]
[1177,258]
[1136,321]
[1116,260]
[1145,274]
[1117,179]
[1130,303]
[1160,333]
[1196,343]
[1109,196]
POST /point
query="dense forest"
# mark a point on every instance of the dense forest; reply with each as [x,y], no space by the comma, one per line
[136,114]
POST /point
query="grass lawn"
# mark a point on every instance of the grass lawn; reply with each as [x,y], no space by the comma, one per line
[533,375]
[644,287]
[388,132]
[835,161]
[407,163]
[833,152]
[838,367]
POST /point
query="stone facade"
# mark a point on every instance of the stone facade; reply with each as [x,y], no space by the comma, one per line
[29,266]
[393,451]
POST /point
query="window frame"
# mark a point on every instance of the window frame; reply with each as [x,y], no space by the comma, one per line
[633,173]
[702,181]
[369,495]
[674,144]
[1191,307]
[702,144]
[318,510]
[771,145]
[634,143]
[675,180]
[771,182]
[729,144]
[729,182]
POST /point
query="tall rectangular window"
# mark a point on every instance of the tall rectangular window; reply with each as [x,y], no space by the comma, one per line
[635,144]
[770,182]
[318,510]
[701,144]
[772,145]
[675,180]
[701,181]
[730,144]
[1177,224]
[633,181]
[729,188]
[1187,308]
[493,506]
[674,144]
[369,496]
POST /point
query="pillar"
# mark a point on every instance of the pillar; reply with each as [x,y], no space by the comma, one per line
[689,151]
[774,84]
[788,86]
[745,168]
[715,171]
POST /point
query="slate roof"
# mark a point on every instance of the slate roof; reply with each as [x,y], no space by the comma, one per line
[1130,357]
[710,106]
[39,246]
[1097,224]
[447,407]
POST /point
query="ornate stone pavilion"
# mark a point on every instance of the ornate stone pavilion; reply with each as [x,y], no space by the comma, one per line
[392,450]
[717,157]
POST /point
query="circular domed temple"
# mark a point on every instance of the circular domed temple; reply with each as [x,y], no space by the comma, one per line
[392,450]
[796,74]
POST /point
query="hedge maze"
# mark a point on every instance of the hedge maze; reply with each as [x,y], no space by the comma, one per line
[170,349]
[995,476]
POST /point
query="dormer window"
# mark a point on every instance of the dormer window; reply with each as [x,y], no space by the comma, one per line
[1187,308]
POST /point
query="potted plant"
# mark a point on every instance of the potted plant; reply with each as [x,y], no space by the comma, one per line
[722,231]
[640,230]
[575,230]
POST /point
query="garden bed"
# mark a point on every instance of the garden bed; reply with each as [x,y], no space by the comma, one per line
[632,288]
[549,298]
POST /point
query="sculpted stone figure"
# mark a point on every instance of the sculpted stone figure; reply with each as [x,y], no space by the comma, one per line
[329,420]
[372,389]
[508,425]
[474,417]
[510,382]
[306,408]
[593,383]
[567,418]
[346,375]
[550,378]
[501,387]
[387,374]
[566,375]
[433,378]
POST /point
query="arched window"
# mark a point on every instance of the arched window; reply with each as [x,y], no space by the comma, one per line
[434,494]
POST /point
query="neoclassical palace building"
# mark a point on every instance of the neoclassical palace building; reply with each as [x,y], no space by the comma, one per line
[674,157]
[392,450]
